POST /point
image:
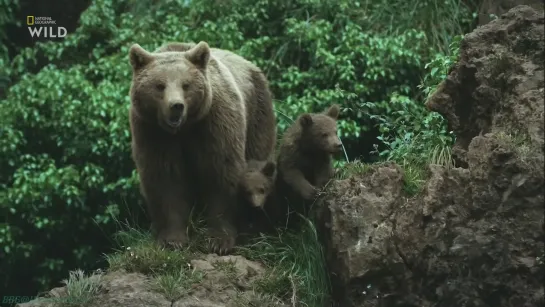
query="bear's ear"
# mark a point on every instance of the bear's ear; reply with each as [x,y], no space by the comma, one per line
[269,169]
[333,111]
[305,120]
[139,57]
[199,55]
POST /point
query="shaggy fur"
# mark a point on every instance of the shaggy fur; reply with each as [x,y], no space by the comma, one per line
[305,158]
[191,117]
[257,182]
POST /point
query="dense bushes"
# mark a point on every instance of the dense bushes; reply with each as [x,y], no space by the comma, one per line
[66,171]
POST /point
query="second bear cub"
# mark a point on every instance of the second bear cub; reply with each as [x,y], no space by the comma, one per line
[305,159]
[257,182]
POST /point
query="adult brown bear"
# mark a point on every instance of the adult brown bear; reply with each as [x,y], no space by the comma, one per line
[197,114]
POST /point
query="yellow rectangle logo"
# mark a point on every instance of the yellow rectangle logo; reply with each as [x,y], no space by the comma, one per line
[30,20]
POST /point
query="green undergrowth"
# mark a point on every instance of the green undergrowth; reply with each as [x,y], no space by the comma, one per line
[295,259]
[169,270]
[295,267]
[415,169]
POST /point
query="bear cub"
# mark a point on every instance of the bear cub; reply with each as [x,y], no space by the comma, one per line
[257,196]
[257,182]
[305,160]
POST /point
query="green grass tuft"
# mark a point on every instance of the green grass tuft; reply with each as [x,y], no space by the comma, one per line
[352,168]
[296,266]
[81,290]
[140,253]
[176,284]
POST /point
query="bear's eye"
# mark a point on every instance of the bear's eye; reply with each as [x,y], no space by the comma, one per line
[324,135]
[185,86]
[261,191]
[160,87]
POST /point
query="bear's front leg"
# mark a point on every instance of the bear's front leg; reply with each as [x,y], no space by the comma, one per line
[323,175]
[168,203]
[300,185]
[221,216]
[168,197]
[221,199]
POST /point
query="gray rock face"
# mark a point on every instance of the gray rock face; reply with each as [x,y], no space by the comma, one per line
[230,287]
[475,236]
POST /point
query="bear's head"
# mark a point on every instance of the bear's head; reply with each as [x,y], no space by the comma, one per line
[258,182]
[319,131]
[171,88]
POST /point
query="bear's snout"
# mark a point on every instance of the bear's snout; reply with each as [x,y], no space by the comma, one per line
[177,107]
[176,113]
[336,145]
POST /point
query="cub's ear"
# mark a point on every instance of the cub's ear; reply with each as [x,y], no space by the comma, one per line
[269,169]
[199,55]
[139,57]
[305,120]
[333,111]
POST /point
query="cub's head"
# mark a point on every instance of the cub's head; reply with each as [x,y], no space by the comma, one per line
[258,182]
[171,88]
[319,130]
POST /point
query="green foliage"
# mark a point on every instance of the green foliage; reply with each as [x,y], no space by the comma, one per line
[7,17]
[440,65]
[296,265]
[414,136]
[66,172]
[440,19]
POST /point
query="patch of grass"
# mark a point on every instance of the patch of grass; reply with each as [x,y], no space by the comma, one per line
[228,267]
[352,168]
[140,253]
[519,142]
[415,172]
[414,177]
[414,155]
[176,284]
[81,290]
[170,271]
[296,266]
[441,155]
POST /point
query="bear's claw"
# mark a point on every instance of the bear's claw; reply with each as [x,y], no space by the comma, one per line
[176,240]
[221,246]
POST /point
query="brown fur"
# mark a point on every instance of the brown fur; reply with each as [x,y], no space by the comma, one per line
[191,108]
[257,182]
[261,122]
[305,157]
[257,191]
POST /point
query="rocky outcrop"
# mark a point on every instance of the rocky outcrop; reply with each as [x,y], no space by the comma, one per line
[475,235]
[497,85]
[489,9]
[224,281]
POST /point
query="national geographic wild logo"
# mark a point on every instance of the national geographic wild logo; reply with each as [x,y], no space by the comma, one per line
[44,27]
